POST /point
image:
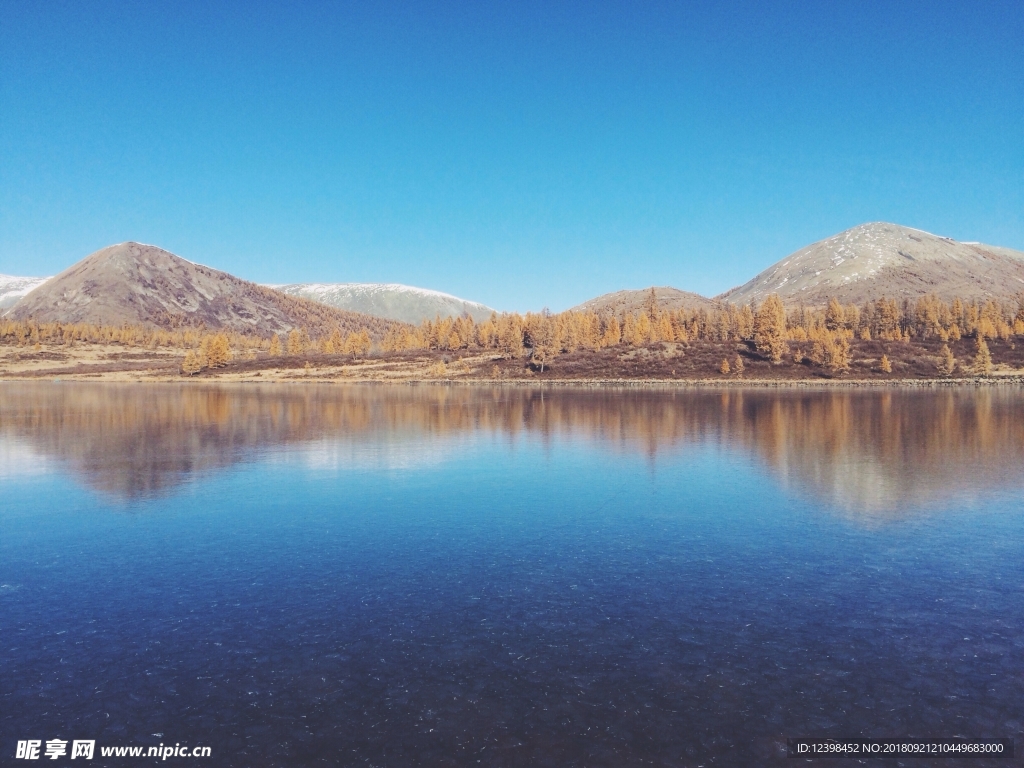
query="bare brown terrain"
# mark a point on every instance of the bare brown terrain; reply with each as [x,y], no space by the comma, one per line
[142,285]
[664,362]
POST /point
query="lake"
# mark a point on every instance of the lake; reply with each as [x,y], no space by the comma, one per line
[419,576]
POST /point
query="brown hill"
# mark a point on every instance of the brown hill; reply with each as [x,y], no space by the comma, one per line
[879,259]
[626,302]
[136,284]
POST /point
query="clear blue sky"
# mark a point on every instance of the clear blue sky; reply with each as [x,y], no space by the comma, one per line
[516,153]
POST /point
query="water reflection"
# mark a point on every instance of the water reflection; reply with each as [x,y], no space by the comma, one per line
[874,454]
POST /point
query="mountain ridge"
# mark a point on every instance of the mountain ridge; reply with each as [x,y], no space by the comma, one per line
[143,284]
[633,300]
[879,259]
[394,301]
[138,284]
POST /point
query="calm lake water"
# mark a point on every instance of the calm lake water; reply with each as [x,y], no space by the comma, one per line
[451,576]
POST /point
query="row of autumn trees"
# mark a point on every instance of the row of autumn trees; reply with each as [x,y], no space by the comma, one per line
[203,349]
[214,351]
[769,327]
[883,319]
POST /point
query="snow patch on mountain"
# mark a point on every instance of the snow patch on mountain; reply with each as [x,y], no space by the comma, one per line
[12,289]
[393,301]
[367,289]
[881,259]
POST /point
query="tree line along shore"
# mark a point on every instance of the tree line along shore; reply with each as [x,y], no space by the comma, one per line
[928,337]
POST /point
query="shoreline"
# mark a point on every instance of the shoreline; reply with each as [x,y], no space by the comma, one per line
[668,369]
[638,383]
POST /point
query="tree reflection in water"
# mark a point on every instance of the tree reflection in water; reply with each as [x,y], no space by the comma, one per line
[874,454]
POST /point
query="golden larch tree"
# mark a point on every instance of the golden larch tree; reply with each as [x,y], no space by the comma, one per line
[947,363]
[296,342]
[651,305]
[770,329]
[835,315]
[192,364]
[982,357]
[216,350]
[543,338]
[612,335]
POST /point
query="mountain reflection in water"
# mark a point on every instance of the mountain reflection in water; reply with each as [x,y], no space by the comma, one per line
[873,454]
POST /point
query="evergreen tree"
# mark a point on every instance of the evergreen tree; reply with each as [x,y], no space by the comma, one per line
[884,365]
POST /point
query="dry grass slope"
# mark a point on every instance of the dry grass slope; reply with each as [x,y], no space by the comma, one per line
[630,301]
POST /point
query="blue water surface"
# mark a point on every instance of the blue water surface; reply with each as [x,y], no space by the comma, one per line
[397,590]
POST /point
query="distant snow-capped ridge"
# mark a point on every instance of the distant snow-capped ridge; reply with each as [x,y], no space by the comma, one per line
[368,288]
[389,300]
[13,288]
